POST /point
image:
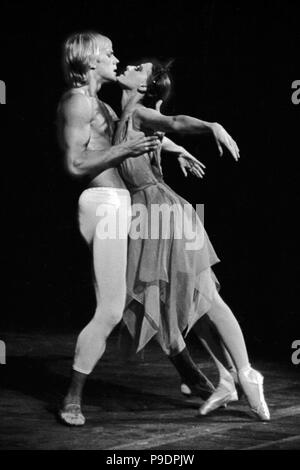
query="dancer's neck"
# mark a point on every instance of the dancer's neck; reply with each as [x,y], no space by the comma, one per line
[130,99]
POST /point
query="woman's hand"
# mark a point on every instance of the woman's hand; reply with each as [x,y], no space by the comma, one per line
[190,163]
[222,138]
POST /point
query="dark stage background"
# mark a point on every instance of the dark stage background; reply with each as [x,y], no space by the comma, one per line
[234,63]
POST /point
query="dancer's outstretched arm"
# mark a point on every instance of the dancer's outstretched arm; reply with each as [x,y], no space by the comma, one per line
[182,124]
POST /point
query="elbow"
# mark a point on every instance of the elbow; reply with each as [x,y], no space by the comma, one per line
[74,169]
[176,124]
[75,172]
[75,165]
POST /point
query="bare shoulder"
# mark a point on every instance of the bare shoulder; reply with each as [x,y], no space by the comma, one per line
[151,119]
[75,106]
[142,111]
[142,115]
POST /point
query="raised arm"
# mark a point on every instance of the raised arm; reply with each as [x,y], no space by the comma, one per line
[75,122]
[182,124]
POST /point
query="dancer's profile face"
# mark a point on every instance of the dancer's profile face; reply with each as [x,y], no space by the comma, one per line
[106,63]
[135,75]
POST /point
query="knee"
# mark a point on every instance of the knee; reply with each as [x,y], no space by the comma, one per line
[176,347]
[219,302]
[109,314]
[219,311]
[115,316]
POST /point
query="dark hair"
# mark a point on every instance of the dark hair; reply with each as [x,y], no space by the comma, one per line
[158,84]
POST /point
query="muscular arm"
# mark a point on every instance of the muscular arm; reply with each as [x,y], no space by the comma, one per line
[76,117]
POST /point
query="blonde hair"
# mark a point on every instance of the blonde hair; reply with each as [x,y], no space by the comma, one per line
[78,49]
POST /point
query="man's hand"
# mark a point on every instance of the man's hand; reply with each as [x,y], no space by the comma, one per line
[141,144]
[222,138]
[190,163]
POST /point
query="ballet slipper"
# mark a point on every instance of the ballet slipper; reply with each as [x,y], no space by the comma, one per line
[71,415]
[224,394]
[188,392]
[252,383]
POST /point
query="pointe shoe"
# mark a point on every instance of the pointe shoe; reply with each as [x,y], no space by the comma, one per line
[188,392]
[71,415]
[224,394]
[202,389]
[252,383]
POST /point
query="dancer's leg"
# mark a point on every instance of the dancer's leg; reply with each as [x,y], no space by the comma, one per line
[206,332]
[230,332]
[226,391]
[191,376]
[109,266]
[250,380]
[109,261]
[189,372]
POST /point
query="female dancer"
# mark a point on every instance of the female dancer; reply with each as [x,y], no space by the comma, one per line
[170,283]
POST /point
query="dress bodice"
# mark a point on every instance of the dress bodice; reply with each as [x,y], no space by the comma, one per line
[139,172]
[170,284]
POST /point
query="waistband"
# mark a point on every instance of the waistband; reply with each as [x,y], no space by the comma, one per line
[105,195]
[158,182]
[105,189]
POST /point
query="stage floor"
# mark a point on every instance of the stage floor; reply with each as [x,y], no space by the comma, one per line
[133,405]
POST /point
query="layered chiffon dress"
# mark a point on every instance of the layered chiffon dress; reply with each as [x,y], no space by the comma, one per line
[170,283]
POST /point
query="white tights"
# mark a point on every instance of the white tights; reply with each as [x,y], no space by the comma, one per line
[104,218]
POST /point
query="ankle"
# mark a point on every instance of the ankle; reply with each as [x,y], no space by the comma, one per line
[185,366]
[245,370]
[227,382]
[74,399]
[232,370]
